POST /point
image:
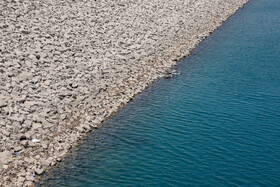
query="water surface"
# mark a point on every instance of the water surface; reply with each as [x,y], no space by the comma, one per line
[216,124]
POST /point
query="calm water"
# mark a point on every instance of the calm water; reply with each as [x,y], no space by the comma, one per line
[216,124]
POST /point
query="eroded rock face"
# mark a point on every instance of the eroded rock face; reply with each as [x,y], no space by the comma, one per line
[65,66]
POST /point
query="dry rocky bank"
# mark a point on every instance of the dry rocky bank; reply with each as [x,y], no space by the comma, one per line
[66,65]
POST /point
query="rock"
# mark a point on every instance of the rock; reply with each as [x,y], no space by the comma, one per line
[45,145]
[35,140]
[22,137]
[6,133]
[31,144]
[17,149]
[24,143]
[93,125]
[80,129]
[28,160]
[28,135]
[38,57]
[3,104]
[68,147]
[46,163]
[86,127]
[5,155]
[39,171]
[61,77]
[73,85]
[21,180]
[28,183]
[36,126]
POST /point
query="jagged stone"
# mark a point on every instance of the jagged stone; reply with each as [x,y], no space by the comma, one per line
[3,104]
[36,126]
[39,171]
[61,77]
[17,149]
[4,156]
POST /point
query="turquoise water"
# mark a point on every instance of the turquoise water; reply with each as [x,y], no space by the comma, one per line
[216,124]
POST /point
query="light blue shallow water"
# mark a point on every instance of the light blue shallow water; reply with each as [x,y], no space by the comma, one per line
[216,124]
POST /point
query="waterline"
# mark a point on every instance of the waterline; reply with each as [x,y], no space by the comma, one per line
[215,124]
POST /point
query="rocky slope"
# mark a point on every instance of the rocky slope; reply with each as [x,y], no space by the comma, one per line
[66,65]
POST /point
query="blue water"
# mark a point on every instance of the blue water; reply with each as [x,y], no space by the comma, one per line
[216,124]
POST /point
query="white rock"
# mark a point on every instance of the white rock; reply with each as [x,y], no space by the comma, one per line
[35,140]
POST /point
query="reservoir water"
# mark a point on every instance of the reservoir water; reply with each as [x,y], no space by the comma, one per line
[216,124]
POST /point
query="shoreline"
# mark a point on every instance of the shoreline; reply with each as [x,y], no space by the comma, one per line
[57,85]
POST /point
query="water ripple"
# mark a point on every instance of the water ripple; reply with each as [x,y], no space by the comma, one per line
[216,124]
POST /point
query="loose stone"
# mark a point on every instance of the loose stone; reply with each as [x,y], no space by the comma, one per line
[66,66]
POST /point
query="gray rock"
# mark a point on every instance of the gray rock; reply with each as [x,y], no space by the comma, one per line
[5,133]
[56,70]
[3,104]
[5,155]
[24,143]
[36,126]
[25,32]
[17,149]
[39,171]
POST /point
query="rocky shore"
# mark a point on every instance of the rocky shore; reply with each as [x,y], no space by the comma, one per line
[66,66]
